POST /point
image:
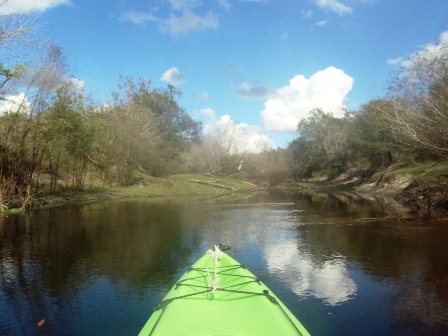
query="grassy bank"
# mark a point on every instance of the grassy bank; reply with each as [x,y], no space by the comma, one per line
[176,186]
[183,185]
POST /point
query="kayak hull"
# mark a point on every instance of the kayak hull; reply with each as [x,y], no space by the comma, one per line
[219,296]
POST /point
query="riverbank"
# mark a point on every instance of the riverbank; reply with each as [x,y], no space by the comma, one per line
[423,187]
[176,186]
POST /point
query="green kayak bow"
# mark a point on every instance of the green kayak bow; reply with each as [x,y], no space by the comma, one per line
[219,296]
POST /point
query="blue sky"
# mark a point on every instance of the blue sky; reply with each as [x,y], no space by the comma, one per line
[256,66]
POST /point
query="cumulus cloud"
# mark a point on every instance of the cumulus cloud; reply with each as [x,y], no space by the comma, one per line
[334,5]
[14,103]
[173,76]
[246,91]
[29,6]
[288,105]
[239,137]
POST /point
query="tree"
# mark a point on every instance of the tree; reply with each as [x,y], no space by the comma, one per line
[68,135]
[301,158]
[420,98]
[369,137]
[15,38]
[130,139]
[21,145]
[327,137]
[173,123]
[220,149]
[269,167]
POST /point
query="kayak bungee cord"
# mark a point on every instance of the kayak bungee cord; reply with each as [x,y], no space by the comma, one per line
[211,286]
[216,254]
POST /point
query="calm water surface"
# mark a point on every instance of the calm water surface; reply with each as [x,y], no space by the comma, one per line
[100,268]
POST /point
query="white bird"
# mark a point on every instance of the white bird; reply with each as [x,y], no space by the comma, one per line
[240,166]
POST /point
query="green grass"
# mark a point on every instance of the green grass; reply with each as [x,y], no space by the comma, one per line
[15,211]
[423,172]
[437,170]
[181,185]
[176,187]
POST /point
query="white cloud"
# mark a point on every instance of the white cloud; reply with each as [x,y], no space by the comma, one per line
[138,18]
[225,4]
[14,103]
[334,5]
[306,14]
[430,51]
[325,89]
[394,61]
[18,102]
[181,20]
[239,137]
[178,25]
[29,6]
[246,91]
[183,5]
[200,95]
[77,83]
[46,78]
[321,23]
[209,113]
[173,76]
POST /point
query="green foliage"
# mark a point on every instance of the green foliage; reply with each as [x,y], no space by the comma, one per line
[330,146]
[172,129]
[144,130]
[67,135]
[325,141]
[9,73]
[369,137]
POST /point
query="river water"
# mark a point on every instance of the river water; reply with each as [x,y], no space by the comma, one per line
[100,268]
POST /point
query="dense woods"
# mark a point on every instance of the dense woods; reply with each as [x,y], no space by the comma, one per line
[56,137]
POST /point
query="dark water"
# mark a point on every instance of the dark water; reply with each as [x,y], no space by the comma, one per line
[100,268]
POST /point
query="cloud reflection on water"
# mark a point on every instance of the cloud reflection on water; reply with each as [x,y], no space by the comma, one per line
[328,281]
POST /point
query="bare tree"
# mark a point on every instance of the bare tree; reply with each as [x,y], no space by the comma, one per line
[15,37]
[420,102]
[22,144]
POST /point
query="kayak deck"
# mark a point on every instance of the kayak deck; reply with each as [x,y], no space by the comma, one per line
[219,296]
